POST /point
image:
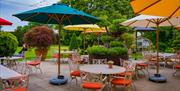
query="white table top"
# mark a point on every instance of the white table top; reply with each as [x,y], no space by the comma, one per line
[102,69]
[11,58]
[6,73]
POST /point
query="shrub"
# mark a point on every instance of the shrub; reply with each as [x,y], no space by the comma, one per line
[121,51]
[73,42]
[112,52]
[162,46]
[8,44]
[116,44]
[40,37]
[176,43]
[97,50]
[102,51]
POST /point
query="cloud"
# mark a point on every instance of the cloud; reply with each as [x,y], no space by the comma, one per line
[10,7]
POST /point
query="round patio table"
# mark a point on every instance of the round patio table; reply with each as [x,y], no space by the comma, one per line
[102,69]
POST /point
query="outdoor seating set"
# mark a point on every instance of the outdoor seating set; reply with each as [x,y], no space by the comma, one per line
[97,74]
[16,77]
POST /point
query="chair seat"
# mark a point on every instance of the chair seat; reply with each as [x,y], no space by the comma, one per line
[76,73]
[56,55]
[124,74]
[92,85]
[142,64]
[177,66]
[16,89]
[33,63]
[120,81]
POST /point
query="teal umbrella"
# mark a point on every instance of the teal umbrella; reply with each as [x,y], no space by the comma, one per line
[60,14]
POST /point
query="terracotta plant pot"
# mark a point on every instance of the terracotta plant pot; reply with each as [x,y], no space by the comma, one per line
[110,65]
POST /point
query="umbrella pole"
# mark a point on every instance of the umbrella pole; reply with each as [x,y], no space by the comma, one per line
[157,47]
[59,49]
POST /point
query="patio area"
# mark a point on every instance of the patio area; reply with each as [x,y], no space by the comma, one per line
[40,82]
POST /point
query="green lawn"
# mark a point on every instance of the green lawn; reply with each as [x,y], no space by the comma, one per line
[30,54]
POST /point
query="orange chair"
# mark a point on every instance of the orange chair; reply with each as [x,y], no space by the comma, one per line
[142,67]
[35,63]
[74,69]
[176,65]
[93,82]
[124,79]
[15,84]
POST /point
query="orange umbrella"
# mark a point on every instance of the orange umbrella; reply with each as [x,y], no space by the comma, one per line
[167,8]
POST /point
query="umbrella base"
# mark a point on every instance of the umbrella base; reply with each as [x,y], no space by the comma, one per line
[158,78]
[60,80]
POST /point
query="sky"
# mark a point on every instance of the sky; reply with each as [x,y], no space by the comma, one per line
[10,7]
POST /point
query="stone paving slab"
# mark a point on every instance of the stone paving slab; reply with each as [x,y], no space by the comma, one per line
[40,82]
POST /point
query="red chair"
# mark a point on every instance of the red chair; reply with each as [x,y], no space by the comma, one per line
[142,67]
[74,69]
[93,82]
[15,84]
[35,64]
[176,65]
[124,79]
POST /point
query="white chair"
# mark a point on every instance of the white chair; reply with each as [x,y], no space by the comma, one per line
[99,61]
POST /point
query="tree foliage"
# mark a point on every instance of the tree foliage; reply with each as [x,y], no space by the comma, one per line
[8,44]
[74,42]
[40,37]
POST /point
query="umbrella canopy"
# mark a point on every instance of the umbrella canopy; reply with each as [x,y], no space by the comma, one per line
[83,27]
[142,29]
[4,22]
[98,31]
[57,14]
[167,8]
[178,27]
[152,21]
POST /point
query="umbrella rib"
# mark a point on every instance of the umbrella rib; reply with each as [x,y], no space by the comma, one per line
[147,6]
[54,18]
[148,23]
[27,18]
[86,19]
[49,19]
[174,12]
[169,22]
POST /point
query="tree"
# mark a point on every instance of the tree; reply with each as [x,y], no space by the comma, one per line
[111,12]
[176,43]
[73,42]
[41,38]
[21,30]
[8,44]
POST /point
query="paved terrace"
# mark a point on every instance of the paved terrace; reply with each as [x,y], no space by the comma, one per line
[39,82]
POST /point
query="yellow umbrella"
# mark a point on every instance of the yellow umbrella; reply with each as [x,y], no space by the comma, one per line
[167,8]
[98,32]
[83,27]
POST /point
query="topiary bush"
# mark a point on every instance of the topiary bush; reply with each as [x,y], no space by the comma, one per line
[73,42]
[8,44]
[97,50]
[176,43]
[39,37]
[116,44]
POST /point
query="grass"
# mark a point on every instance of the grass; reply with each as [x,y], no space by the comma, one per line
[30,54]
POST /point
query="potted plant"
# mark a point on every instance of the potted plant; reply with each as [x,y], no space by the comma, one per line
[8,44]
[39,37]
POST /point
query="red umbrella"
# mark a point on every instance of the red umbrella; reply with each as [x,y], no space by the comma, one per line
[4,22]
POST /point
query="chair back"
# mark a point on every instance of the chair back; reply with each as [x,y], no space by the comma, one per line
[38,58]
[15,82]
[130,67]
[99,61]
[73,65]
